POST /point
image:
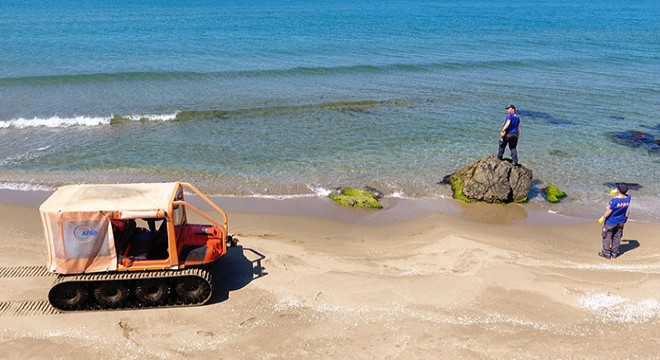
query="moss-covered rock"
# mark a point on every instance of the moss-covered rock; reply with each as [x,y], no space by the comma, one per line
[491,180]
[356,198]
[553,194]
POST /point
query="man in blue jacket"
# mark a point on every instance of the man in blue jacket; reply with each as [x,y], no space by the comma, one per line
[613,220]
[510,133]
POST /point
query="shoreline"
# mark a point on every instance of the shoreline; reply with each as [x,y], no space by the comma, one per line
[584,201]
[395,210]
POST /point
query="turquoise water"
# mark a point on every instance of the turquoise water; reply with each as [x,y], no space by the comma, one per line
[251,98]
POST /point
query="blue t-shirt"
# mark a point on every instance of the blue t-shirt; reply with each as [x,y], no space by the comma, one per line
[619,209]
[513,126]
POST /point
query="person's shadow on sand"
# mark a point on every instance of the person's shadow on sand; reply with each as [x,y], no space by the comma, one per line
[627,245]
[235,270]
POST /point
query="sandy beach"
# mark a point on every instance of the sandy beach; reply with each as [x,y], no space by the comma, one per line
[311,280]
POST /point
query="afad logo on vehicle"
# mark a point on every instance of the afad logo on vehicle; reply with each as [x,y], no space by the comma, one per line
[85,233]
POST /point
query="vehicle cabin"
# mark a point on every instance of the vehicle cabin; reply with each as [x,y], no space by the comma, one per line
[129,227]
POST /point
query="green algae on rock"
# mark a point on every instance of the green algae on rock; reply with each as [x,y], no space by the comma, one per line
[521,200]
[457,187]
[356,198]
[553,194]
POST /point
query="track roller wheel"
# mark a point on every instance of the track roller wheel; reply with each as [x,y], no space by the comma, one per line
[152,292]
[192,289]
[111,294]
[69,296]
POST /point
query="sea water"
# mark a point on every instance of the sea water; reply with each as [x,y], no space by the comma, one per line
[293,98]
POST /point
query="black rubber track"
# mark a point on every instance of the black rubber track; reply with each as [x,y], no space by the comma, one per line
[132,280]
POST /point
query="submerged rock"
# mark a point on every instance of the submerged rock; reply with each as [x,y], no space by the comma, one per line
[491,180]
[356,198]
[631,186]
[635,139]
[553,194]
[560,153]
[544,116]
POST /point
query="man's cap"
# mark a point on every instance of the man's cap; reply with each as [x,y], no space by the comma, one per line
[623,188]
[510,106]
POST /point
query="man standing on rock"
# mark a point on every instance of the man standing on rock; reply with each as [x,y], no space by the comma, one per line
[613,220]
[510,133]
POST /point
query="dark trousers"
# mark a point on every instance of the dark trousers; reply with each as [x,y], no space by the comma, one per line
[612,239]
[512,141]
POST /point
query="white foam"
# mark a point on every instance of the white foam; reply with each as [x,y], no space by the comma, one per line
[261,196]
[319,191]
[64,122]
[24,187]
[54,122]
[397,194]
[279,197]
[615,308]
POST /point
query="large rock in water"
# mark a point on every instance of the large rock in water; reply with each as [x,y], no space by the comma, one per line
[492,180]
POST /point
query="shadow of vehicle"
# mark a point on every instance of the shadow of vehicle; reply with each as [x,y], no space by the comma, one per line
[235,270]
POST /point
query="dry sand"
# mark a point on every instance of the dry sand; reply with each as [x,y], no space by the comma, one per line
[486,282]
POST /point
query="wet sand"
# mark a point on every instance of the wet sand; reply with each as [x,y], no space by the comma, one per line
[420,280]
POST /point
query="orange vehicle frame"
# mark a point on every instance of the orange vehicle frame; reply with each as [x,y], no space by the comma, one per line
[217,243]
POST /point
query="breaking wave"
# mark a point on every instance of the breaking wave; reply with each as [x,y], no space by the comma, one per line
[65,122]
[54,122]
[184,115]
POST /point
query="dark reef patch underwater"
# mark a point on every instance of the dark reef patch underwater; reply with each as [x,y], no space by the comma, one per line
[636,139]
[544,116]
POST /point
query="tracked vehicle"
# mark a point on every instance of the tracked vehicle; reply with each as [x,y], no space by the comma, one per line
[130,246]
